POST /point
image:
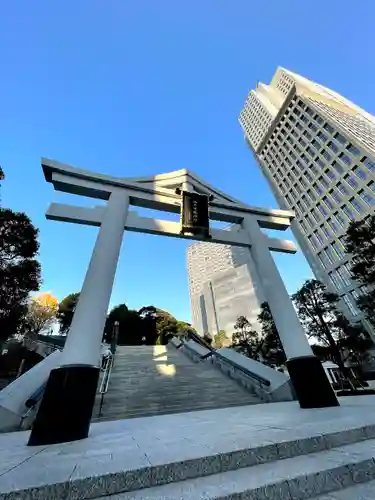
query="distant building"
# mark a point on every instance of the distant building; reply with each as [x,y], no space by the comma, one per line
[223,285]
[317,152]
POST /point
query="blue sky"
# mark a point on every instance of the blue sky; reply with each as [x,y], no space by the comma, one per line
[133,88]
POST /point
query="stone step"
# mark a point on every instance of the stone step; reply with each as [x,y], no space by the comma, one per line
[317,462]
[139,387]
[145,411]
[297,478]
[363,491]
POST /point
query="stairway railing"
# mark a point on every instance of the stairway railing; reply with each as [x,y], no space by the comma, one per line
[103,389]
[261,384]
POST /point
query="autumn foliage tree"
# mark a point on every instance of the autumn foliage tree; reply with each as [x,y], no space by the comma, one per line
[41,313]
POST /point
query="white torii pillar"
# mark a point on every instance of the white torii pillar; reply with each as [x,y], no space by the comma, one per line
[306,372]
[66,408]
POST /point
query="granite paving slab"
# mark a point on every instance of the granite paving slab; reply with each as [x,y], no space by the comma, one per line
[123,453]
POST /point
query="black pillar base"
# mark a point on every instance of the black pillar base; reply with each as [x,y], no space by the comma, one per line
[310,382]
[66,408]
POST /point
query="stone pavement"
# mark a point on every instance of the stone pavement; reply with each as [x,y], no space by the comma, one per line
[273,450]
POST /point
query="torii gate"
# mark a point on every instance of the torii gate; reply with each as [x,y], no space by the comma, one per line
[66,408]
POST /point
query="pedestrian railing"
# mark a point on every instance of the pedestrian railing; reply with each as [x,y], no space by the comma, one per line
[258,384]
[103,389]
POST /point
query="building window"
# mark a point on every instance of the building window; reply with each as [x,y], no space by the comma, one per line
[348,212]
[318,189]
[344,275]
[328,254]
[315,215]
[340,219]
[336,195]
[326,155]
[360,173]
[309,111]
[326,233]
[319,162]
[345,158]
[338,249]
[333,146]
[313,127]
[303,226]
[328,202]
[311,151]
[340,138]
[308,176]
[368,163]
[339,168]
[307,135]
[335,280]
[351,306]
[332,224]
[319,237]
[356,205]
[324,181]
[312,242]
[322,260]
[329,128]
[343,189]
[311,195]
[309,220]
[353,150]
[367,198]
[330,174]
[322,210]
[351,181]
[322,136]
[372,186]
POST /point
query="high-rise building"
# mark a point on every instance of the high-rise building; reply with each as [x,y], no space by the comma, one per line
[223,285]
[317,152]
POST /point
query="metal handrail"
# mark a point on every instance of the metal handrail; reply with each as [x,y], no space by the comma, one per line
[105,381]
[213,352]
[32,402]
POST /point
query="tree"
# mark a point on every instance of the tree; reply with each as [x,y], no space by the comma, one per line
[360,244]
[66,311]
[270,348]
[318,313]
[129,326]
[19,270]
[221,339]
[41,313]
[244,339]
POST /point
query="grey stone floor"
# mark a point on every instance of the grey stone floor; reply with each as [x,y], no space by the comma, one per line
[140,442]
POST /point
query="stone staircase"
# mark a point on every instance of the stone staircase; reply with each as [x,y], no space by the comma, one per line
[151,380]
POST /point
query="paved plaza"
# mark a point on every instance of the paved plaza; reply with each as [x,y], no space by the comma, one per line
[146,452]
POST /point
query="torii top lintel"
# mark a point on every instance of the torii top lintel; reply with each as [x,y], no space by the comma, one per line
[158,192]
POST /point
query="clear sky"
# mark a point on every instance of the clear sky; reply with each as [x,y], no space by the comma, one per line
[133,88]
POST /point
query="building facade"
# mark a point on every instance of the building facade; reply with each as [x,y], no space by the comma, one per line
[317,152]
[223,285]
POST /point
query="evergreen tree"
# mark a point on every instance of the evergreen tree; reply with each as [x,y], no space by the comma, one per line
[360,244]
[244,339]
[19,269]
[270,346]
[66,311]
[317,310]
